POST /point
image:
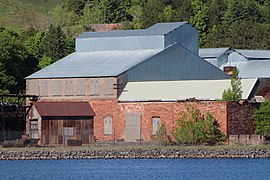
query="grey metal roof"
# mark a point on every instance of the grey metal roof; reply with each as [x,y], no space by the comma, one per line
[254,54]
[94,64]
[182,90]
[252,69]
[212,52]
[157,29]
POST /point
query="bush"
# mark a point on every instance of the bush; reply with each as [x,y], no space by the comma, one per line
[193,128]
[261,119]
[161,135]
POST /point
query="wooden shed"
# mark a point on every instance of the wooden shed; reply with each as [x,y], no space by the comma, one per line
[67,123]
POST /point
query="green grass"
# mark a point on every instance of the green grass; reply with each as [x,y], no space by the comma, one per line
[22,14]
[69,148]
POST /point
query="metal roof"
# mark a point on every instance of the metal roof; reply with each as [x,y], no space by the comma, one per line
[212,52]
[254,54]
[252,69]
[181,90]
[94,64]
[157,29]
[70,109]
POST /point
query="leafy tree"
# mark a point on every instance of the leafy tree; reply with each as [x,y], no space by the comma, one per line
[54,43]
[193,128]
[261,119]
[33,44]
[216,11]
[241,10]
[235,91]
[152,11]
[44,61]
[200,19]
[75,6]
[183,9]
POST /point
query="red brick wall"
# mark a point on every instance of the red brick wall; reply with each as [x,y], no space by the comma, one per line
[168,112]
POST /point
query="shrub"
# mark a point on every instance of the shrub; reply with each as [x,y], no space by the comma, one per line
[261,119]
[193,128]
[161,135]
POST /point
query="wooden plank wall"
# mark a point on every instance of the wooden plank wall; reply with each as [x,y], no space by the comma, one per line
[51,131]
[73,88]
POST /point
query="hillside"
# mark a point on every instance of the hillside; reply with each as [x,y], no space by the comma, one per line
[27,13]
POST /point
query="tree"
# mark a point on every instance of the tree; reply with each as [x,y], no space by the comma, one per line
[75,6]
[200,20]
[261,119]
[54,43]
[193,128]
[241,10]
[235,91]
[216,11]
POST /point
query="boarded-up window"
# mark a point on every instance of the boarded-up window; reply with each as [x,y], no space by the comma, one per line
[68,88]
[108,86]
[155,124]
[44,88]
[57,87]
[68,131]
[33,87]
[94,87]
[34,129]
[108,125]
[80,88]
[133,127]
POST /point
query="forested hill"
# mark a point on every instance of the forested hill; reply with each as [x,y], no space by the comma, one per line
[27,13]
[49,27]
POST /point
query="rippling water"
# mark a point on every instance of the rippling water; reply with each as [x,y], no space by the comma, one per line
[137,169]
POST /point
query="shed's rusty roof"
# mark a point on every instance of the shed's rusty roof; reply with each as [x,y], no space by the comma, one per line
[70,109]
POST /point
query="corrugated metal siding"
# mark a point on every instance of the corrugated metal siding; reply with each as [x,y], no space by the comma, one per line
[185,35]
[94,64]
[152,38]
[212,52]
[120,43]
[236,57]
[254,54]
[52,131]
[252,69]
[157,29]
[175,63]
[182,90]
[50,109]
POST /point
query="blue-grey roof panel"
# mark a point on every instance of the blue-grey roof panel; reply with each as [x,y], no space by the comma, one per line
[157,29]
[94,64]
[254,54]
[212,52]
[165,28]
[252,69]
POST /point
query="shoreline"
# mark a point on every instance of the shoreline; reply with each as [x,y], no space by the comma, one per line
[131,153]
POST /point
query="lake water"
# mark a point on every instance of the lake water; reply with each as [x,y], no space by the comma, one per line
[137,169]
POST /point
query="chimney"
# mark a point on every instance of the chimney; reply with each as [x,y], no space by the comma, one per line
[228,69]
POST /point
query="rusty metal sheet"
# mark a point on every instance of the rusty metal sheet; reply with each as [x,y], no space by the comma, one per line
[71,109]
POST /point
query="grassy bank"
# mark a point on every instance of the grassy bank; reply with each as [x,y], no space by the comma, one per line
[90,148]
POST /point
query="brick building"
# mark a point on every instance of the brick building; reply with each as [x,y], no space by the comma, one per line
[105,71]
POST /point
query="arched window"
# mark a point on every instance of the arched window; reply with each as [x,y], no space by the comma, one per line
[108,125]
[155,124]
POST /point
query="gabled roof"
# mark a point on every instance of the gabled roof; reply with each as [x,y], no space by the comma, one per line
[94,64]
[252,69]
[64,109]
[254,54]
[157,29]
[212,52]
[182,90]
